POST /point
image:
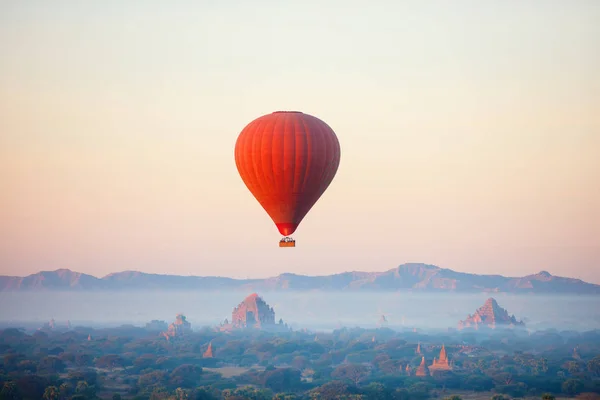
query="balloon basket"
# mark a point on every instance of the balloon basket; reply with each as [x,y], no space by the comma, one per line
[287,242]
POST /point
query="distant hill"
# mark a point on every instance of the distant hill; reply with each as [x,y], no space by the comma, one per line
[413,277]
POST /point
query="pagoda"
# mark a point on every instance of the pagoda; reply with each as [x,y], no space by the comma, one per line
[422,369]
[178,328]
[490,315]
[441,363]
[209,351]
[253,313]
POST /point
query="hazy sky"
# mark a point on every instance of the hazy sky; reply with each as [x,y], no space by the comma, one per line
[470,134]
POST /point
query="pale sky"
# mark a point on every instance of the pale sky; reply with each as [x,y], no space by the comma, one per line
[470,134]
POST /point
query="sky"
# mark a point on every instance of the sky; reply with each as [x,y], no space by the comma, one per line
[470,134]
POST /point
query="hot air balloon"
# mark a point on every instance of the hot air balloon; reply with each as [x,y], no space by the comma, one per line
[287,160]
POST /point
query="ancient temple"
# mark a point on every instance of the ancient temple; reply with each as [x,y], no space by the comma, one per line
[209,352]
[178,328]
[382,321]
[48,326]
[422,369]
[490,315]
[441,363]
[253,312]
[407,369]
[418,350]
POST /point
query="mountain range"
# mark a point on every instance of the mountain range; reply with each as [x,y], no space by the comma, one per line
[406,277]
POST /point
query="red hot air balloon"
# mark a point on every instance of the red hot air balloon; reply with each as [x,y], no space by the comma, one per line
[287,160]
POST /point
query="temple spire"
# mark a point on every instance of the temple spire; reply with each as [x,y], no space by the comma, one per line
[443,357]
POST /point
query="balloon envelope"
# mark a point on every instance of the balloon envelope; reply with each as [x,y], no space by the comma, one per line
[287,160]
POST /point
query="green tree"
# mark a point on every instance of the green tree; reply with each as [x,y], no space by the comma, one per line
[50,365]
[65,390]
[353,372]
[82,387]
[51,393]
[204,393]
[377,391]
[110,361]
[9,391]
[572,386]
[180,394]
[540,366]
[331,391]
[282,379]
[572,367]
[159,393]
[593,366]
[185,376]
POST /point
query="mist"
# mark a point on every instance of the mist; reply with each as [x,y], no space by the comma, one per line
[321,311]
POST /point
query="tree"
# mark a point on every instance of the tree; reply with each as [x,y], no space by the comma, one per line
[330,391]
[548,396]
[85,389]
[185,376]
[248,393]
[10,361]
[282,379]
[353,372]
[572,386]
[51,393]
[377,391]
[593,366]
[83,360]
[88,375]
[32,386]
[300,362]
[159,393]
[9,391]
[206,394]
[180,394]
[572,367]
[540,366]
[82,387]
[152,379]
[65,390]
[51,365]
[285,396]
[110,361]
